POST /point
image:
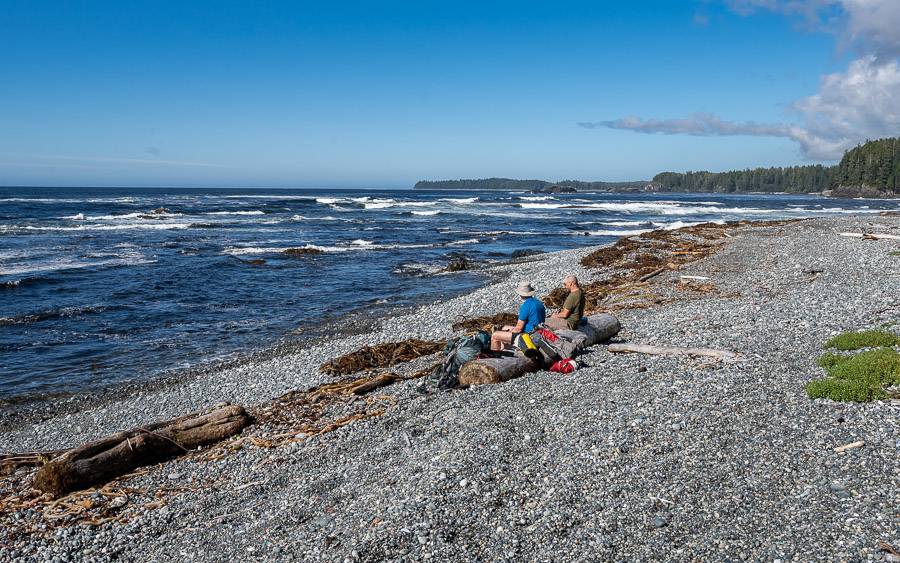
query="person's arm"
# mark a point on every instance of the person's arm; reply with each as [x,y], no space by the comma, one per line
[564,313]
[520,327]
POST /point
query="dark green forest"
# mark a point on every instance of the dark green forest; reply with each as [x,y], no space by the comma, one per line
[868,170]
[872,167]
[793,179]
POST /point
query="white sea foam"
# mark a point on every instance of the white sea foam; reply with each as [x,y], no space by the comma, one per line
[95,227]
[361,242]
[536,197]
[76,217]
[425,213]
[613,233]
[542,205]
[464,242]
[460,200]
[255,212]
[71,264]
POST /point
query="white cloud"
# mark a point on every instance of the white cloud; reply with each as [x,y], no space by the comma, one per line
[861,103]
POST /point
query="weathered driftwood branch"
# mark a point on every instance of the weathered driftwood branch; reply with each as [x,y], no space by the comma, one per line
[122,452]
[10,462]
[495,370]
[374,383]
[850,446]
[871,236]
[651,275]
[670,351]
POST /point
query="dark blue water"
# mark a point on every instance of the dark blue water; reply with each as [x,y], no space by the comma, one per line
[99,286]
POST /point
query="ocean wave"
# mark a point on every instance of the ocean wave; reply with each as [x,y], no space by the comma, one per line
[464,242]
[49,314]
[254,212]
[278,197]
[613,233]
[536,197]
[459,200]
[615,223]
[95,227]
[126,259]
[425,213]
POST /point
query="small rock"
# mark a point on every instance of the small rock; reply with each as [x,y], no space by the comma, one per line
[659,522]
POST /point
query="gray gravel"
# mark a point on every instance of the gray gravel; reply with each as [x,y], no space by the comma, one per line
[633,458]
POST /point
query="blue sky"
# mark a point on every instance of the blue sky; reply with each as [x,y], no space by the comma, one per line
[380,94]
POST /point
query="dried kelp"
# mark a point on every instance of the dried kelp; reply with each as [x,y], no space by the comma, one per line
[380,356]
[488,323]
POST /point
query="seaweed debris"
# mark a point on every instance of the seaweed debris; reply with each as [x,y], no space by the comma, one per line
[380,356]
[487,323]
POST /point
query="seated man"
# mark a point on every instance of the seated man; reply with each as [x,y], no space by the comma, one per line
[531,314]
[573,308]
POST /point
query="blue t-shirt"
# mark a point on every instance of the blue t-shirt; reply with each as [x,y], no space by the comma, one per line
[532,312]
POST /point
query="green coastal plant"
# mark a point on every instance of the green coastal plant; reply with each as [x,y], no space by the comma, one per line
[863,339]
[858,378]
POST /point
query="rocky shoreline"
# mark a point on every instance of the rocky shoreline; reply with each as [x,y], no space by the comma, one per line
[634,457]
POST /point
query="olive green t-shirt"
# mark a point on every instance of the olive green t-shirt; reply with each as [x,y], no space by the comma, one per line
[575,304]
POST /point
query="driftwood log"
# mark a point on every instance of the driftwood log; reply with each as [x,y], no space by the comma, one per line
[495,370]
[671,351]
[872,236]
[592,330]
[122,452]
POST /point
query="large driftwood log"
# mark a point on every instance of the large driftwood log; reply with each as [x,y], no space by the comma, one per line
[495,370]
[122,452]
[671,351]
[599,328]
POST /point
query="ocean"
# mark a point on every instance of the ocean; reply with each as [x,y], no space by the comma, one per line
[100,286]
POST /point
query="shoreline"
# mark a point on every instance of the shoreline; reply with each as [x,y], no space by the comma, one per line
[632,457]
[17,411]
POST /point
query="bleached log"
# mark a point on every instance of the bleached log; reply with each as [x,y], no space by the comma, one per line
[495,370]
[876,236]
[120,453]
[599,328]
[670,351]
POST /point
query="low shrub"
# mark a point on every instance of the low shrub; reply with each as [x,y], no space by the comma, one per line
[863,339]
[858,378]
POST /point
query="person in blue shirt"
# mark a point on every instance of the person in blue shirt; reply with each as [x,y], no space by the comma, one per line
[531,314]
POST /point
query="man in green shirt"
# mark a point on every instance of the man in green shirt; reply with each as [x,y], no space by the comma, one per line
[573,308]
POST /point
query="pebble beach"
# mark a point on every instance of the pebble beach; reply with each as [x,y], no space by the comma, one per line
[632,457]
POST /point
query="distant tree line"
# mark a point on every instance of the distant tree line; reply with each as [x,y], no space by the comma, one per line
[868,170]
[792,179]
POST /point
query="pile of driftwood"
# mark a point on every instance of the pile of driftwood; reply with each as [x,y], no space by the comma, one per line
[380,356]
[592,330]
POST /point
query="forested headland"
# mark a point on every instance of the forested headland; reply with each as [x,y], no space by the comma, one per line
[527,185]
[868,170]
